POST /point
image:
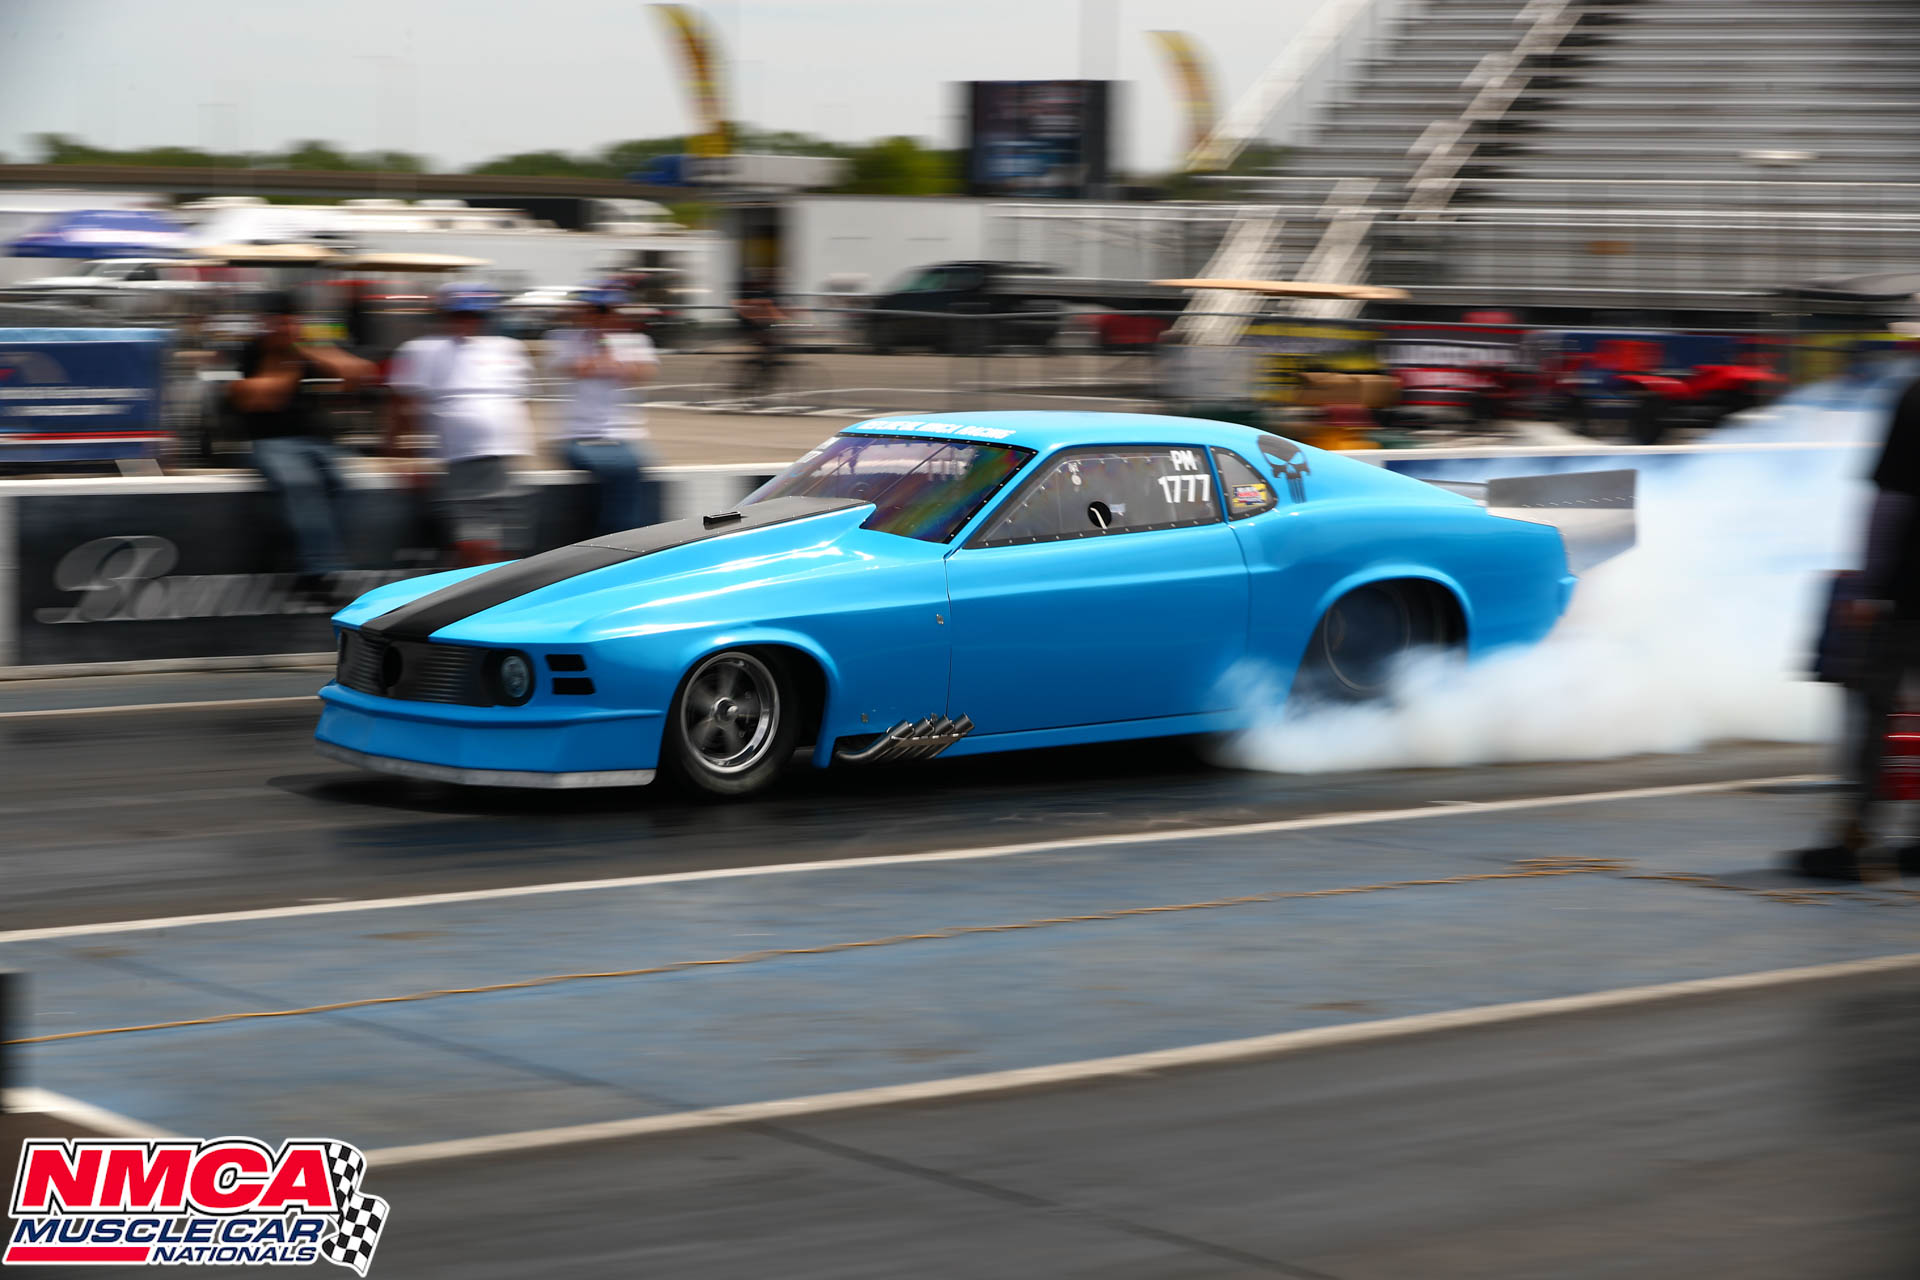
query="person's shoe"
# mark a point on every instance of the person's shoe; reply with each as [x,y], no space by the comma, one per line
[1827,862]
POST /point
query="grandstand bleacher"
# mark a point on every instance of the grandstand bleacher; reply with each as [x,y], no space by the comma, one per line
[1670,156]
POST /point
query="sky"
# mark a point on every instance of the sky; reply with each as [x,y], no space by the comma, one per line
[464,80]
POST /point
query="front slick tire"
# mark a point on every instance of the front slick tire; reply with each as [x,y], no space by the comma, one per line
[733,725]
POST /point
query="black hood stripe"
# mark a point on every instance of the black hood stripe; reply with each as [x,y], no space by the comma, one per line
[420,618]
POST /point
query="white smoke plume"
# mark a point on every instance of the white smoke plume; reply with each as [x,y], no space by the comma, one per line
[1702,632]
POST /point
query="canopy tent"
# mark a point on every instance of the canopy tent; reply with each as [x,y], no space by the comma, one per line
[103,233]
[412,262]
[292,254]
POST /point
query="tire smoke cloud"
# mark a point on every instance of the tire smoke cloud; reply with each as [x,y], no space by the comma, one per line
[1701,633]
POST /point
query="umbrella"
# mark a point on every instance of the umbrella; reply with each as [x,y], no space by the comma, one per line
[103,233]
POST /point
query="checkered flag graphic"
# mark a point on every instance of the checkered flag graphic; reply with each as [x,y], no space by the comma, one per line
[361,1216]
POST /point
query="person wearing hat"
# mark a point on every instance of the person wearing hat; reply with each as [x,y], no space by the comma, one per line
[466,389]
[598,359]
[293,450]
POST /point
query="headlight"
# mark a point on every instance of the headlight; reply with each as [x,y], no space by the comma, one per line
[513,675]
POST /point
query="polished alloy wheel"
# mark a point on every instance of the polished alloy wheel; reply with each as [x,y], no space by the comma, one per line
[730,713]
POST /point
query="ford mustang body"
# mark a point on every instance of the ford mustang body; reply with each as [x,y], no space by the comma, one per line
[980,582]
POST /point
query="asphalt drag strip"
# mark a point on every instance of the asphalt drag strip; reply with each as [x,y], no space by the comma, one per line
[189,810]
[1767,1135]
[544,1011]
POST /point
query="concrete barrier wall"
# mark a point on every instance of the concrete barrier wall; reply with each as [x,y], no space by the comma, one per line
[95,572]
[190,570]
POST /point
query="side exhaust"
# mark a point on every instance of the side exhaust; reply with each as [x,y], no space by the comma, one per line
[910,741]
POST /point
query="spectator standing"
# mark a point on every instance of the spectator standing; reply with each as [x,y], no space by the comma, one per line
[1878,625]
[292,449]
[468,389]
[599,359]
[760,315]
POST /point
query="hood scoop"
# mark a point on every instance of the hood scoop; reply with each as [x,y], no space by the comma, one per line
[420,618]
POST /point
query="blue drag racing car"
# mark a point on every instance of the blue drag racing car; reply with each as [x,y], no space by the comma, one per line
[912,588]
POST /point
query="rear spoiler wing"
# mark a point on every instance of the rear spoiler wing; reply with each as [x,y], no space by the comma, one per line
[1593,510]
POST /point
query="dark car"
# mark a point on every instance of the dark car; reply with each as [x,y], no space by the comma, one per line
[965,306]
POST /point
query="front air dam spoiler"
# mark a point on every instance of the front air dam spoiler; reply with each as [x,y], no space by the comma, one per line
[484,777]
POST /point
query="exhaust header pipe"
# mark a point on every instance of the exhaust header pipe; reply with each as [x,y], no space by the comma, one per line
[910,741]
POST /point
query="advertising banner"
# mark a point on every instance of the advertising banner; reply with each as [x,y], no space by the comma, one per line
[1038,138]
[80,394]
[1290,348]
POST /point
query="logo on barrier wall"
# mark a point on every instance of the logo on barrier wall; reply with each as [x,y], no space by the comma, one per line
[218,1202]
[130,578]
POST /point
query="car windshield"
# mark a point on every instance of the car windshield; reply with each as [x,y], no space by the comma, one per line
[925,489]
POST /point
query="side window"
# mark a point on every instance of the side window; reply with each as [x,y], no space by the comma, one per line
[1095,492]
[1246,493]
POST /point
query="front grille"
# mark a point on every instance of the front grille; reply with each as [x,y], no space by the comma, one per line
[415,670]
[359,665]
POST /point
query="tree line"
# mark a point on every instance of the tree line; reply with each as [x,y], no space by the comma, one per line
[898,165]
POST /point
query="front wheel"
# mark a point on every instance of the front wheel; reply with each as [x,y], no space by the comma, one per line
[732,727]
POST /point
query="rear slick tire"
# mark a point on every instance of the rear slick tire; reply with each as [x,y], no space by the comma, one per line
[1353,652]
[733,725]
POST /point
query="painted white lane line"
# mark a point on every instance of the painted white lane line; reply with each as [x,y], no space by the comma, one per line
[84,1114]
[1158,835]
[50,712]
[1218,1052]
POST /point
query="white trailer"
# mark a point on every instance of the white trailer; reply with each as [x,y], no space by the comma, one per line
[864,244]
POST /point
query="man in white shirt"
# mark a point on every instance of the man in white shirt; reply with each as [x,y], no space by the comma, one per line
[599,359]
[468,390]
